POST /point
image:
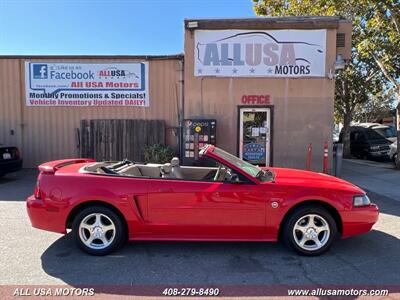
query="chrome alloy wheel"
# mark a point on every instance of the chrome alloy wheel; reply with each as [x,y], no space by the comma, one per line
[97,231]
[311,232]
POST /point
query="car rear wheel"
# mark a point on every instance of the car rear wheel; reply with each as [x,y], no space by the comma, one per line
[310,230]
[98,230]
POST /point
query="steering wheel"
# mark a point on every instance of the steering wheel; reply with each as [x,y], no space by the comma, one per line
[228,175]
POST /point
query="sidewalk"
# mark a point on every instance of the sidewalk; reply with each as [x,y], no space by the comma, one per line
[380,178]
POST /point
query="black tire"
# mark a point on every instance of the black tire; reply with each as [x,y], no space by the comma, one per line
[288,235]
[116,236]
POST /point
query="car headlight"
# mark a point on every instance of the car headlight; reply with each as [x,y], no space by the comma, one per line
[361,200]
[374,148]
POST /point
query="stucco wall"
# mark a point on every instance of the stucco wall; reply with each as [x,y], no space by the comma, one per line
[302,107]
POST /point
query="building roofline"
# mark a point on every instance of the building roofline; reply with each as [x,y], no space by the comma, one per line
[309,22]
[87,56]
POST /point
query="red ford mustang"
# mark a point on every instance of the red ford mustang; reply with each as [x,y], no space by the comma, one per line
[106,203]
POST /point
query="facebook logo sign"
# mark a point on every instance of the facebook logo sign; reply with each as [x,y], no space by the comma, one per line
[39,71]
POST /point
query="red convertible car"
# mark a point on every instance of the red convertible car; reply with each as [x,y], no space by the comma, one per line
[106,203]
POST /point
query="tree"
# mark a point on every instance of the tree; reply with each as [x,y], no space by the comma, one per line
[378,30]
[353,88]
[378,107]
[375,42]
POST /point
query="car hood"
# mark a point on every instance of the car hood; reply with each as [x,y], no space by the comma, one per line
[303,178]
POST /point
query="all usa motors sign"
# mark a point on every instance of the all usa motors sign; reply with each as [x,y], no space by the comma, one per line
[266,53]
[79,84]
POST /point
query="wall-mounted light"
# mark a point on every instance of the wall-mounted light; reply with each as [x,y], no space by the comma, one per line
[339,64]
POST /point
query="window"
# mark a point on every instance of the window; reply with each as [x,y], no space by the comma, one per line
[246,167]
[357,136]
[372,135]
[222,174]
[386,132]
[249,169]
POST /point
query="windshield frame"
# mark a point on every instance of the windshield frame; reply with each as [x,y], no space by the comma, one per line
[252,172]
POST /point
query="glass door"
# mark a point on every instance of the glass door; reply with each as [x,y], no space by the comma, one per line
[254,135]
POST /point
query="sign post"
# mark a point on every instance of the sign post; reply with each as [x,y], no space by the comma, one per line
[397,161]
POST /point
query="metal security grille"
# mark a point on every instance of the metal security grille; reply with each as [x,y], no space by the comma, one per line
[113,140]
[340,40]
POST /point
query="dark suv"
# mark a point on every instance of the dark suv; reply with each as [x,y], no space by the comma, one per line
[367,143]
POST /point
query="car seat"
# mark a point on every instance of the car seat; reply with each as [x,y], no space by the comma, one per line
[166,171]
[176,169]
[131,170]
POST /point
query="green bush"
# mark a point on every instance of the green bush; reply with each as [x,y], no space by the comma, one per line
[158,154]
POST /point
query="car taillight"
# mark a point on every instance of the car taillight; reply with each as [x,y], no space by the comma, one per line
[37,193]
[17,154]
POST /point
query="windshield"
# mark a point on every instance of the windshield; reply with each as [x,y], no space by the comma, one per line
[373,135]
[387,132]
[246,167]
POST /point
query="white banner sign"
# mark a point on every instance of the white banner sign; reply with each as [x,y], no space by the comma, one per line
[79,84]
[265,53]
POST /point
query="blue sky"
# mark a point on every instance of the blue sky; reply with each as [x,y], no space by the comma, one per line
[45,27]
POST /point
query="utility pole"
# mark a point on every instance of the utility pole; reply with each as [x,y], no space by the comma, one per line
[397,161]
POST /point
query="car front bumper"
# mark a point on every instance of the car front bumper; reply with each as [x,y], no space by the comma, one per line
[391,154]
[359,220]
[379,154]
[44,216]
[10,165]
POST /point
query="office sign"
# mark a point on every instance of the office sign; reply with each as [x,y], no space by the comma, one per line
[256,99]
[86,84]
[263,53]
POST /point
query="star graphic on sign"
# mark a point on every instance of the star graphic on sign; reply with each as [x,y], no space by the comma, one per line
[217,70]
[269,70]
[199,71]
[234,71]
[252,70]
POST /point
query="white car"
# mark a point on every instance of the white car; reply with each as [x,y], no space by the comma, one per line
[393,153]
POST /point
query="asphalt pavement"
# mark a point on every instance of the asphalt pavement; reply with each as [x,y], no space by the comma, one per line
[379,177]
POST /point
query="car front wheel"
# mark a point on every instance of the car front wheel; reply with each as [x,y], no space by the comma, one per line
[98,230]
[310,230]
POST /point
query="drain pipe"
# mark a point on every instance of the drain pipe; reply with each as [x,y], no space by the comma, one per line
[181,111]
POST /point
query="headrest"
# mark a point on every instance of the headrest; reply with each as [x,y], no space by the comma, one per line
[175,161]
[166,168]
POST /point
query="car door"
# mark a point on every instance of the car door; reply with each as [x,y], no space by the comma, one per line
[205,210]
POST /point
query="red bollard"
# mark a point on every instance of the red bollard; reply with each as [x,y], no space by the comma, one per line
[308,157]
[326,158]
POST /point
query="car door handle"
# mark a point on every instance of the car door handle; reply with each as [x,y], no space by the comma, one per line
[166,190]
